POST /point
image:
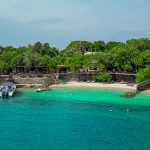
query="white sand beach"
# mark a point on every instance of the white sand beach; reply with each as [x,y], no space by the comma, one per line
[95,85]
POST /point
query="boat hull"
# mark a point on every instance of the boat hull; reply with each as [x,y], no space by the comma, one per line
[7,90]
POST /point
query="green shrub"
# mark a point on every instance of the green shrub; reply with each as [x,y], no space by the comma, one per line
[103,77]
[143,75]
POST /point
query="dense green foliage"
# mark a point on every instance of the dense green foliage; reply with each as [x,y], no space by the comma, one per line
[103,77]
[36,55]
[141,44]
[143,75]
[79,55]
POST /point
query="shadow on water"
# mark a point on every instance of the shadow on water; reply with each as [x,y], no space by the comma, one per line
[18,93]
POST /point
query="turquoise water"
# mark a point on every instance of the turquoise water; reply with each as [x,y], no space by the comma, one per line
[75,119]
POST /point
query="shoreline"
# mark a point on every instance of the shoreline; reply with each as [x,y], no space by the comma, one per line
[111,86]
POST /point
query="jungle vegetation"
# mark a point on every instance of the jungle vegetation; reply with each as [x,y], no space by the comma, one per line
[132,56]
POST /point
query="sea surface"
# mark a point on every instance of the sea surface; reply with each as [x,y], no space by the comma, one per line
[75,119]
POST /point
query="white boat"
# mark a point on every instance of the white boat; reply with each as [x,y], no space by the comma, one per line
[43,89]
[7,89]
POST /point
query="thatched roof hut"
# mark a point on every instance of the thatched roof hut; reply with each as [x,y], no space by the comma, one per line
[61,69]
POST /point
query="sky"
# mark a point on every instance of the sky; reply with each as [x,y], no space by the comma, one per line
[59,22]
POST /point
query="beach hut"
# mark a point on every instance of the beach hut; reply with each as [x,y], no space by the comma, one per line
[61,69]
[93,68]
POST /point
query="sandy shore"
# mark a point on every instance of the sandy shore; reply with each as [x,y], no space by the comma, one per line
[95,85]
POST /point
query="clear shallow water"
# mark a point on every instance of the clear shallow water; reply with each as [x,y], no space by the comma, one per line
[75,119]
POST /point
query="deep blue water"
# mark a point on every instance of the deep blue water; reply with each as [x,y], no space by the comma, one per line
[74,119]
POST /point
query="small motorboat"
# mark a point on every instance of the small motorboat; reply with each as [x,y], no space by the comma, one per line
[43,89]
[7,89]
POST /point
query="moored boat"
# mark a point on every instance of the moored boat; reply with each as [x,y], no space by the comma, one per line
[7,89]
[43,89]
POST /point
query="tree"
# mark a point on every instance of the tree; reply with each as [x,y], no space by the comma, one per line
[1,49]
[143,59]
[37,47]
[141,44]
[74,63]
[110,45]
[45,49]
[53,52]
[96,61]
[51,63]
[103,77]
[27,61]
[6,58]
[4,68]
[98,46]
[122,57]
[36,60]
[76,47]
[143,75]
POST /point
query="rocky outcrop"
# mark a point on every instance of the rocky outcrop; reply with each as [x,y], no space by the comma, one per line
[131,94]
[143,86]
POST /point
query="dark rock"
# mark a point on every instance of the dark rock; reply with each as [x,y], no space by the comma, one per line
[130,94]
[143,86]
